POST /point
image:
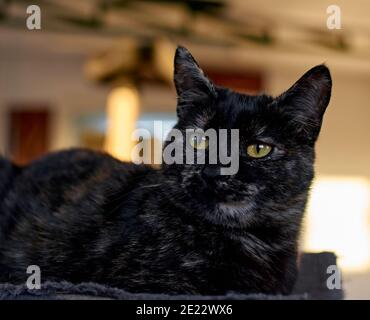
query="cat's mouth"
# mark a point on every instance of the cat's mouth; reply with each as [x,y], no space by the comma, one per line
[212,191]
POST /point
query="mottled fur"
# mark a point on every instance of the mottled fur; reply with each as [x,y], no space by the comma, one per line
[84,216]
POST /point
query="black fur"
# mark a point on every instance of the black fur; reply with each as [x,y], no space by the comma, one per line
[84,216]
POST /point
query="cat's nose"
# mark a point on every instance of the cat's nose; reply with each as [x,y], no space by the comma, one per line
[211,172]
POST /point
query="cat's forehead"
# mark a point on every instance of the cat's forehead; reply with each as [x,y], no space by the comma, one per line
[233,107]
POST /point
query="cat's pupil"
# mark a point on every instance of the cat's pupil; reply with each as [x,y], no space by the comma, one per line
[195,139]
[198,140]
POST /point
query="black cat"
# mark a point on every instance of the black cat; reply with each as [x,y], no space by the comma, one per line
[184,228]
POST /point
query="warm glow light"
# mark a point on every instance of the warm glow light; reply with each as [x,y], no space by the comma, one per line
[122,114]
[338,220]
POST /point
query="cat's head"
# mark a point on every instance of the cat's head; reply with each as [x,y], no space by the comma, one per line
[276,144]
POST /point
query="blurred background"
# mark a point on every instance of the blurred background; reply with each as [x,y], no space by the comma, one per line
[98,69]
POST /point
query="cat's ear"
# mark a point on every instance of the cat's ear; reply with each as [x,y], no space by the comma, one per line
[306,101]
[190,81]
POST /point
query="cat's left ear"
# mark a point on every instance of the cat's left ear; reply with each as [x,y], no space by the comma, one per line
[190,80]
[306,101]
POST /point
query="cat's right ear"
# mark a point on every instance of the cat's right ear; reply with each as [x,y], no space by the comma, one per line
[190,81]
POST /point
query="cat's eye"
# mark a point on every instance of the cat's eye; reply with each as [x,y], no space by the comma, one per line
[199,142]
[259,150]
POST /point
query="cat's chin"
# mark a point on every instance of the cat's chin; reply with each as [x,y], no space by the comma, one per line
[232,214]
[235,209]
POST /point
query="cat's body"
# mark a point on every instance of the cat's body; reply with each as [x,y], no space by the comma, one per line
[84,216]
[90,217]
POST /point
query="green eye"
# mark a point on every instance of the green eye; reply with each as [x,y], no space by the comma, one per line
[258,150]
[199,142]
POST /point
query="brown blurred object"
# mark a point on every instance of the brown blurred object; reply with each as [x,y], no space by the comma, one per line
[28,136]
[246,82]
